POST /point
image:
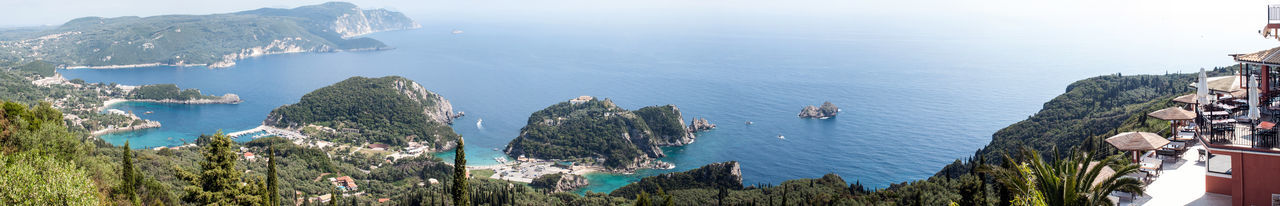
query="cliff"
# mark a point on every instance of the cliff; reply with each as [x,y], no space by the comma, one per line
[667,125]
[595,131]
[390,110]
[727,175]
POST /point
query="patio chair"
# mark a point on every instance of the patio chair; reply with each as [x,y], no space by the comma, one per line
[1203,155]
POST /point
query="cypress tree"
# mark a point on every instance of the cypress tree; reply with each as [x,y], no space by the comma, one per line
[273,188]
[460,196]
[333,196]
[128,177]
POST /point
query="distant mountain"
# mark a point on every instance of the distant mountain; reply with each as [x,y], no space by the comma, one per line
[595,131]
[215,40]
[391,110]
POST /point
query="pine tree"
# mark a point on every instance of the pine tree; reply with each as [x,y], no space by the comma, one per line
[273,184]
[128,176]
[642,199]
[460,196]
[218,182]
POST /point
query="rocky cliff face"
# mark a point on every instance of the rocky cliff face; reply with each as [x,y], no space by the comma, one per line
[667,124]
[360,22]
[437,108]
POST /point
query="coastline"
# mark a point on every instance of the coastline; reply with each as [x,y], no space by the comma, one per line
[225,99]
[147,124]
[228,60]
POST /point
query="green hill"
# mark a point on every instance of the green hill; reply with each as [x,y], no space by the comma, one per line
[598,131]
[215,40]
[390,110]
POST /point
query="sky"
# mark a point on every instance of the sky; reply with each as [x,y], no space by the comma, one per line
[1210,29]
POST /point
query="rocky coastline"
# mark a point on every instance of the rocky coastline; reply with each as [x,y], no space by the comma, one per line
[224,99]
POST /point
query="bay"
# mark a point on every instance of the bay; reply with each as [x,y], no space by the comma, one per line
[912,103]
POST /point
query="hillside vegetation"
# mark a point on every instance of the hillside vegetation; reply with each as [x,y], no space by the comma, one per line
[599,132]
[215,40]
[388,110]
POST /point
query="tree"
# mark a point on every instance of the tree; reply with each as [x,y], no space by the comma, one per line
[460,189]
[642,199]
[128,178]
[1069,181]
[218,182]
[334,196]
[272,196]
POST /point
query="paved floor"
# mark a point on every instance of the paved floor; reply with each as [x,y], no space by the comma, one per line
[1181,183]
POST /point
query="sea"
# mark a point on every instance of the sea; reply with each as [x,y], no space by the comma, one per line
[914,96]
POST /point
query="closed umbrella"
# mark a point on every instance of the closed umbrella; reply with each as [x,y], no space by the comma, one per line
[1202,88]
[1254,114]
[1202,94]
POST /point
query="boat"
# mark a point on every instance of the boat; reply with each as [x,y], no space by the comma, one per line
[749,123]
[480,123]
[148,112]
[455,31]
[781,137]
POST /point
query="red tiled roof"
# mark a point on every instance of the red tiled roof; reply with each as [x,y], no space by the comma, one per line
[1266,125]
[248,154]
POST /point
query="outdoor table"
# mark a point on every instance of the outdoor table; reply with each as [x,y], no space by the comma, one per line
[1152,165]
[1184,136]
[1217,113]
[1223,121]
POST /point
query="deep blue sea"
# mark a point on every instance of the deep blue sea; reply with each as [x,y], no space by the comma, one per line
[912,101]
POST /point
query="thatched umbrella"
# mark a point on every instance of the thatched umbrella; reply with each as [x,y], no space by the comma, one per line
[1186,99]
[1173,113]
[1105,173]
[1137,141]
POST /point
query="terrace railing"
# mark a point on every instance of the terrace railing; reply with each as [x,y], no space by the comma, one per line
[1273,14]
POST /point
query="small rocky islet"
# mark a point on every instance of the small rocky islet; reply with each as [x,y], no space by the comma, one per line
[827,110]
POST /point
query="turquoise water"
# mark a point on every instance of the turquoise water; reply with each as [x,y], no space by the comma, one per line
[912,102]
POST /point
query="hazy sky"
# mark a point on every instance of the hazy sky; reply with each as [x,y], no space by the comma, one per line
[1208,29]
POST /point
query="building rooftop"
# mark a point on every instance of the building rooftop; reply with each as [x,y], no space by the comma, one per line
[1269,56]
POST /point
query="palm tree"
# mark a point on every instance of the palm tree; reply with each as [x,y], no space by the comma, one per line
[1072,181]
